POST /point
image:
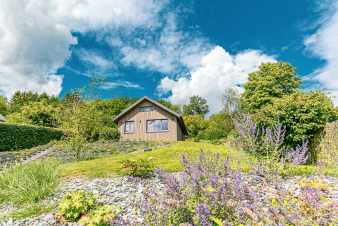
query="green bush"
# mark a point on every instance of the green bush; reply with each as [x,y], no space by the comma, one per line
[137,168]
[75,204]
[180,216]
[101,216]
[109,133]
[28,183]
[15,137]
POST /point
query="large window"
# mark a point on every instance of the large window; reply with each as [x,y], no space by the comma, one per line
[129,127]
[157,125]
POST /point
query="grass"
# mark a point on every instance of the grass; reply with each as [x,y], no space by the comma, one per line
[167,158]
[28,183]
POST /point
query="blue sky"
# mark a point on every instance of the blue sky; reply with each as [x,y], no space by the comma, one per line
[164,48]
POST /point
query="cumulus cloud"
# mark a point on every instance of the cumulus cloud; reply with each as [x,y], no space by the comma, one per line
[35,36]
[167,52]
[217,71]
[324,44]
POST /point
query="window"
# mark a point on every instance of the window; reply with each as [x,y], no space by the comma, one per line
[157,125]
[129,127]
[145,108]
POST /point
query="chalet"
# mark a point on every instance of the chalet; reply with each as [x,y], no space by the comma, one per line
[148,120]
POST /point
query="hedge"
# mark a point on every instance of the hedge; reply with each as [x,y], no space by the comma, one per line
[16,137]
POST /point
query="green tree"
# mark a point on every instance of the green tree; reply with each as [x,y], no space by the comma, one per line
[271,81]
[195,124]
[197,106]
[3,106]
[218,127]
[21,99]
[168,104]
[304,116]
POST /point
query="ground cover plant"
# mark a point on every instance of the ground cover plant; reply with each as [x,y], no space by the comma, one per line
[209,192]
[28,183]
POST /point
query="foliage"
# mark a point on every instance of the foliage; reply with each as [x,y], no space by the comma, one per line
[168,104]
[15,137]
[28,183]
[197,106]
[39,114]
[304,116]
[271,81]
[195,124]
[219,126]
[20,99]
[214,194]
[3,106]
[101,216]
[137,168]
[75,204]
[328,148]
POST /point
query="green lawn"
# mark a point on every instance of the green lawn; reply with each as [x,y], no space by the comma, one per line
[167,158]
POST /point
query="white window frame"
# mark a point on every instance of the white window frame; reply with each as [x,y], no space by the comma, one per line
[125,126]
[160,131]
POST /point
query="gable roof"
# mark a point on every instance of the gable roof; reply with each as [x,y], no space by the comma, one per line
[145,98]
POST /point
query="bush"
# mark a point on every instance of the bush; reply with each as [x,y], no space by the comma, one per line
[215,194]
[101,216]
[28,183]
[75,204]
[15,137]
[219,126]
[137,168]
[109,133]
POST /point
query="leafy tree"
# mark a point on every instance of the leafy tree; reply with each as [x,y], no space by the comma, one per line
[219,126]
[304,116]
[230,100]
[271,81]
[195,124]
[168,104]
[196,106]
[3,105]
[38,113]
[21,99]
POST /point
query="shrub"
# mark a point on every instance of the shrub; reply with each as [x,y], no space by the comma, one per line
[137,168]
[28,183]
[101,216]
[15,137]
[75,204]
[109,133]
[216,195]
[195,124]
[219,126]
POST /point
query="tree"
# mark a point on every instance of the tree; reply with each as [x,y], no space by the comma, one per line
[230,100]
[3,106]
[168,104]
[21,99]
[304,116]
[197,106]
[195,124]
[271,81]
[219,125]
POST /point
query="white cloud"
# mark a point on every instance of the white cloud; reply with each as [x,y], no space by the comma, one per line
[217,71]
[124,84]
[96,60]
[168,52]
[35,36]
[324,44]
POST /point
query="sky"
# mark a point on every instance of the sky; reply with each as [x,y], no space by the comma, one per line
[169,49]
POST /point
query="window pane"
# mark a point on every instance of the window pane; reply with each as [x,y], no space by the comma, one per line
[145,108]
[157,125]
[129,126]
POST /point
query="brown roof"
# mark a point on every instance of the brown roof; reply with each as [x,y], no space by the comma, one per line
[178,116]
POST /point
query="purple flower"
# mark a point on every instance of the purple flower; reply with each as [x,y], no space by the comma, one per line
[203,214]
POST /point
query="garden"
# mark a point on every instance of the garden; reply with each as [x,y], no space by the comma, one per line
[268,158]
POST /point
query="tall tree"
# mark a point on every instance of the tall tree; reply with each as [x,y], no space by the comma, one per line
[196,106]
[271,81]
[3,105]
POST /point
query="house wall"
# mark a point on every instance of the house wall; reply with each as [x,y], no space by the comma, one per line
[173,133]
